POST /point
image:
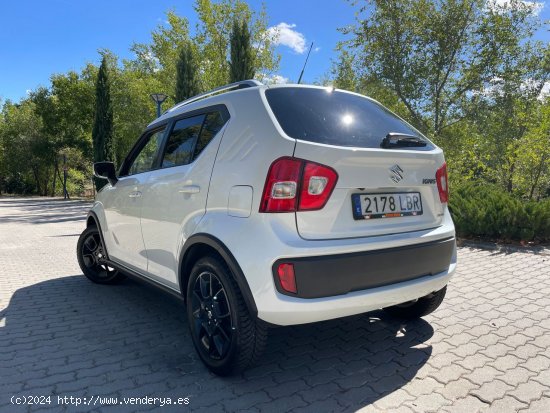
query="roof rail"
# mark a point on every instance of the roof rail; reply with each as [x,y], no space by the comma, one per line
[232,86]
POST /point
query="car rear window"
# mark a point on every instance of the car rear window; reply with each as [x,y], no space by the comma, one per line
[335,118]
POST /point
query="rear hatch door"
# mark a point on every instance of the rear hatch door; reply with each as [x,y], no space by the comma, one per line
[386,168]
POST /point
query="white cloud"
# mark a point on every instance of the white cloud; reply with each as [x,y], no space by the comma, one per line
[545,92]
[497,6]
[316,49]
[528,86]
[272,79]
[284,34]
[149,58]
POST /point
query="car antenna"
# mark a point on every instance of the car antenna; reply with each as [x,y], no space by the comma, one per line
[305,63]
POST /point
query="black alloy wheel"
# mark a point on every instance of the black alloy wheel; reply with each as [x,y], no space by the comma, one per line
[92,258]
[228,339]
[212,315]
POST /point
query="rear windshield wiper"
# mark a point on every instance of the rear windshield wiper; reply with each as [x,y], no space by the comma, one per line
[401,140]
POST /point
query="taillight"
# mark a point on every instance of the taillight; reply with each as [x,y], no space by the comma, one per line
[442,183]
[286,277]
[281,186]
[317,184]
[297,185]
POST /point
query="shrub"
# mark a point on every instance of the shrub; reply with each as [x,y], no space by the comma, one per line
[488,212]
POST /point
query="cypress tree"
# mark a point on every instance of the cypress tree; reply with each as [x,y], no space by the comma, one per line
[102,132]
[187,84]
[241,65]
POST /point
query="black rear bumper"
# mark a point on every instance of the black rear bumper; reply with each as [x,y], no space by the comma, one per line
[331,275]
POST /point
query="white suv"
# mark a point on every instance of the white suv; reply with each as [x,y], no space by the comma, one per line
[275,205]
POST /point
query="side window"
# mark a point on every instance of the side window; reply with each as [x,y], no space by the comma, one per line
[212,125]
[182,139]
[145,160]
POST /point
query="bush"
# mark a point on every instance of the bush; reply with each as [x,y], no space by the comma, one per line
[17,184]
[76,182]
[488,212]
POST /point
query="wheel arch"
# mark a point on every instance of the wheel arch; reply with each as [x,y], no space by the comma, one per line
[93,220]
[198,246]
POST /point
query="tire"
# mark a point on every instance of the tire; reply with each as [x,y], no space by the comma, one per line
[226,337]
[90,252]
[419,308]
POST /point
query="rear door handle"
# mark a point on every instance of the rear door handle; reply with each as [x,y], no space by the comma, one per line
[190,189]
[135,194]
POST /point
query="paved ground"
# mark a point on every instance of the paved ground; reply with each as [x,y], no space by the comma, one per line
[485,349]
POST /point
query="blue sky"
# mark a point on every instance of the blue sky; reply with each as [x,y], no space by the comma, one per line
[41,37]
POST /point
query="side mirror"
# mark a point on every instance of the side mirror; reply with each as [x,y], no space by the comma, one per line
[106,170]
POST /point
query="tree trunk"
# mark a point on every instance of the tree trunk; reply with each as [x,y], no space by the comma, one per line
[60,179]
[537,177]
[54,177]
[46,183]
[37,179]
[509,184]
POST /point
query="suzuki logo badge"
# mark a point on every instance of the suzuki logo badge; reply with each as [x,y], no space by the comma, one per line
[396,174]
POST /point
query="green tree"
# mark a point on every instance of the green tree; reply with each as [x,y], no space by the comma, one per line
[211,43]
[89,114]
[159,58]
[66,110]
[344,75]
[241,65]
[46,107]
[132,106]
[187,84]
[213,39]
[27,153]
[533,157]
[3,170]
[74,99]
[507,114]
[344,72]
[131,86]
[102,132]
[433,53]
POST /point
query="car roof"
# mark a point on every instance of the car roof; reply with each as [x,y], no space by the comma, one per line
[205,99]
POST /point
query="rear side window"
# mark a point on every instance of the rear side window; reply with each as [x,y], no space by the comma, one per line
[335,118]
[190,136]
[181,142]
[212,125]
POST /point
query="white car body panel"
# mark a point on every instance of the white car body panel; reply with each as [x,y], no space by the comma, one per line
[148,234]
[174,201]
[122,210]
[275,237]
[366,170]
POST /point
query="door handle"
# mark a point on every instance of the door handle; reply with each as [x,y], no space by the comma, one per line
[190,189]
[135,194]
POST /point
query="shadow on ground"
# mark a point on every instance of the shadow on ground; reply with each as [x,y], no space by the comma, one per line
[70,337]
[44,210]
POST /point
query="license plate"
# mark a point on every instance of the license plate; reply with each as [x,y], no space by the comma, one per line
[389,205]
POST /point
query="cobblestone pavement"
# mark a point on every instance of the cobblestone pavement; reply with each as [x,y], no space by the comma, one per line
[485,349]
